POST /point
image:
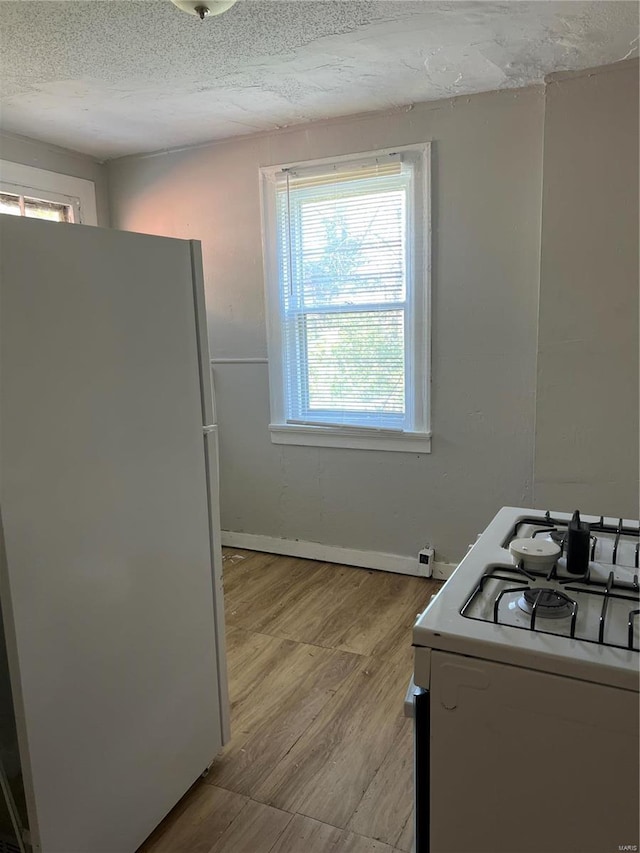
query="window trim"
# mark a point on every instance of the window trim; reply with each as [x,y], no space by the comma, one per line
[51,197]
[351,437]
[20,179]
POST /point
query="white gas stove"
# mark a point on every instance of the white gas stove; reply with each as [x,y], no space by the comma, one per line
[527,678]
[532,612]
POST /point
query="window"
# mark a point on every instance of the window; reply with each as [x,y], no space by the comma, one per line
[41,194]
[345,245]
[36,208]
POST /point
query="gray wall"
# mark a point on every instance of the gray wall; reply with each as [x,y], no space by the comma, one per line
[486,238]
[30,152]
[587,392]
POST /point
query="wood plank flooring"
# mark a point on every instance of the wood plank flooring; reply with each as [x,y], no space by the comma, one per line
[320,757]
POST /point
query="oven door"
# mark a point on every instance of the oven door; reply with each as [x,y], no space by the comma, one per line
[523,761]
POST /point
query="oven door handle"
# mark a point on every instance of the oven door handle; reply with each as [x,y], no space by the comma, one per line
[422,768]
[409,710]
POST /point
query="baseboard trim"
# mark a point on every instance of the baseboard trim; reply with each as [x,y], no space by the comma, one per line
[443,571]
[333,554]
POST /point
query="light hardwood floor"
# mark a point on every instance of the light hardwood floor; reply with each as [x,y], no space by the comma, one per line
[320,757]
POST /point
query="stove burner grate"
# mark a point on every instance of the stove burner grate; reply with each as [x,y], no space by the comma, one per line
[531,601]
[547,603]
[556,531]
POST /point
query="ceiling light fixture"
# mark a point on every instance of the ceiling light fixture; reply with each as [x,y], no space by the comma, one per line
[204,8]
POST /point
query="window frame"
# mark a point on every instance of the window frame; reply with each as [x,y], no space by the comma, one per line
[79,193]
[50,197]
[419,281]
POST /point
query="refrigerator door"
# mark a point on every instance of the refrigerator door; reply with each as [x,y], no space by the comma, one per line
[107,592]
[213,481]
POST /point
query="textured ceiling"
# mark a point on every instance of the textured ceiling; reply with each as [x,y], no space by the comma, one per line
[115,77]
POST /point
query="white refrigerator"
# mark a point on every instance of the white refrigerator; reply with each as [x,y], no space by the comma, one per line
[110,560]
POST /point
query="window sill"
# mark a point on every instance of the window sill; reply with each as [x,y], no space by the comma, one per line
[352,439]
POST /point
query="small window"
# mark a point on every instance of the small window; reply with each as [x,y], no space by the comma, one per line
[35,208]
[41,194]
[345,246]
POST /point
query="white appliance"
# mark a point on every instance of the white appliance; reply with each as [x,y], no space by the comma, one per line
[110,562]
[525,694]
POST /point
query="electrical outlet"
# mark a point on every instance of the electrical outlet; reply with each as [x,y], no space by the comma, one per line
[426,557]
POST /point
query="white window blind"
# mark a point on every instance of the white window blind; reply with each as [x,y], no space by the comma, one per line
[343,253]
[348,343]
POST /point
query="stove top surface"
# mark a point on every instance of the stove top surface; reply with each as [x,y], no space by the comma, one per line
[600,605]
[514,599]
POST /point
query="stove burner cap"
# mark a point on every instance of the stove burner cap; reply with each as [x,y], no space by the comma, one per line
[551,605]
[536,553]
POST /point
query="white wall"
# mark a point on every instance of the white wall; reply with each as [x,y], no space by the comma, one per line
[486,219]
[587,397]
[30,152]
[489,152]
